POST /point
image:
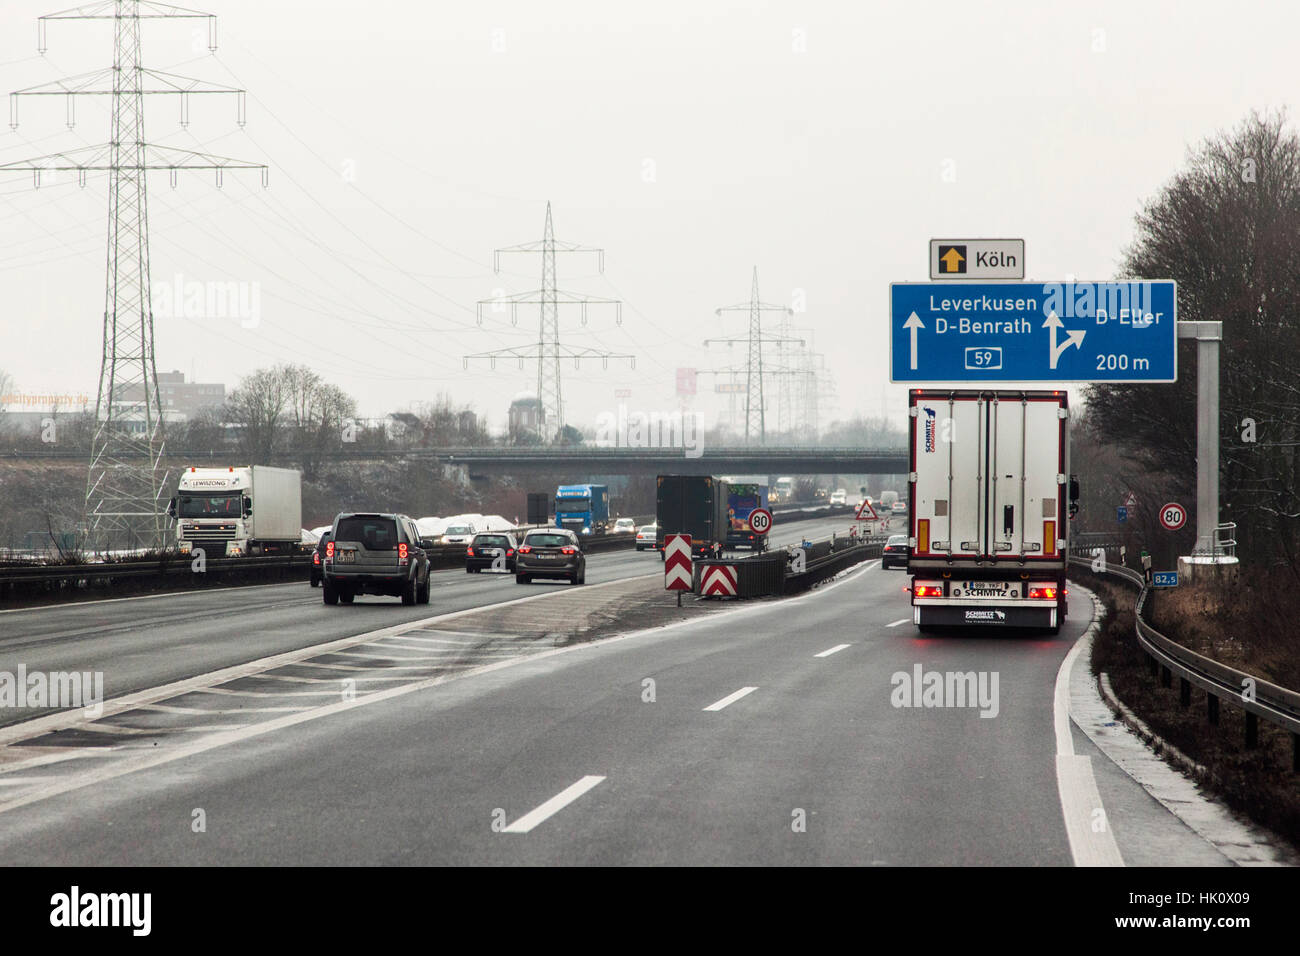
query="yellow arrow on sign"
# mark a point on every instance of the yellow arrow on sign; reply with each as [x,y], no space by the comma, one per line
[951,260]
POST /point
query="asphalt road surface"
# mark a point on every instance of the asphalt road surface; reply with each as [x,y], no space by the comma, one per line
[146,641]
[771,734]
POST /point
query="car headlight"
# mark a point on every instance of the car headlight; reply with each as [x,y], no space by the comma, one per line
[586,531]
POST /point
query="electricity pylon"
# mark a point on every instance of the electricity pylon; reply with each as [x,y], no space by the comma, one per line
[549,349]
[755,423]
[123,487]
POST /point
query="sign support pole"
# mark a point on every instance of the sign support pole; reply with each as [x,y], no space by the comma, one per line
[1208,336]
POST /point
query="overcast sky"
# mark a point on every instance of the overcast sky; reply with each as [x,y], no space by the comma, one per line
[824,143]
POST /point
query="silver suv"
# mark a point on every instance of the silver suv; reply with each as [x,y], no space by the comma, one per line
[375,554]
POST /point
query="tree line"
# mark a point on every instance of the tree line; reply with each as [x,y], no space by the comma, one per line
[1225,228]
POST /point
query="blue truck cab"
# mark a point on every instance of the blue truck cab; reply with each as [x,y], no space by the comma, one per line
[742,499]
[583,509]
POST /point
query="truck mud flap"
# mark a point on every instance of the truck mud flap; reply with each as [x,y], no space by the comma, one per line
[948,616]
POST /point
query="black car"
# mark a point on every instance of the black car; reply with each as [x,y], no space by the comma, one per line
[491,549]
[375,554]
[553,553]
[318,559]
[896,552]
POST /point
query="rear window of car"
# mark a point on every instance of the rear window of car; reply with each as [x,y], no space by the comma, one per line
[492,540]
[459,529]
[374,534]
[646,529]
[897,539]
[549,540]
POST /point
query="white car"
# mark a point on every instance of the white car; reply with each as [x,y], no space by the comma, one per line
[900,508]
[840,497]
[647,538]
[624,526]
[458,534]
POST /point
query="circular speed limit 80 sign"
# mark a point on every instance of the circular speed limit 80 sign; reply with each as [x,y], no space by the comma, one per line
[1173,516]
[760,520]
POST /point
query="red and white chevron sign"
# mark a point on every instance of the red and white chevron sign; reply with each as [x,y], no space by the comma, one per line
[719,580]
[678,569]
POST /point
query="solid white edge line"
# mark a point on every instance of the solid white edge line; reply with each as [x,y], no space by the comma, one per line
[901,620]
[554,805]
[731,698]
[832,650]
[1092,842]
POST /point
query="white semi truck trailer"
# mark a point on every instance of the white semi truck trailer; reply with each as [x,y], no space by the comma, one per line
[238,510]
[990,502]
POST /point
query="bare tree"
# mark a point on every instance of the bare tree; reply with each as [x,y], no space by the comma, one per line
[1224,228]
[259,407]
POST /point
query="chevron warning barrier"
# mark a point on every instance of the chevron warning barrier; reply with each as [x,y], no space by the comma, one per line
[719,580]
[678,569]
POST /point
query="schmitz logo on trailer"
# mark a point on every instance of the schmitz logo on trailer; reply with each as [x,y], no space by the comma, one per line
[719,580]
[678,569]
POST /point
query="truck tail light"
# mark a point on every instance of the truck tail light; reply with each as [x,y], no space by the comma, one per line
[315,558]
[329,550]
[403,553]
[928,590]
[1042,593]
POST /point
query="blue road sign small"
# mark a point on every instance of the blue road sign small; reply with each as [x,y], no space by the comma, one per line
[1033,331]
[1165,579]
[1121,514]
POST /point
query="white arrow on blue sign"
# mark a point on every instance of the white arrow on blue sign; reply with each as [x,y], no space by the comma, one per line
[1033,331]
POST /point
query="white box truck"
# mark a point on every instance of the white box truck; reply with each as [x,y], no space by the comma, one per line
[238,510]
[990,499]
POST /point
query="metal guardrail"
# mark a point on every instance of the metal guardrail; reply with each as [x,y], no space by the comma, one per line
[1258,697]
[54,577]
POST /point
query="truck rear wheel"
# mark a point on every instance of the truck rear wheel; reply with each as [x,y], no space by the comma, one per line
[330,594]
[347,597]
[408,593]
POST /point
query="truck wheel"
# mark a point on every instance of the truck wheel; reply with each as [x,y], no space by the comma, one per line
[347,597]
[408,592]
[523,579]
[422,592]
[330,594]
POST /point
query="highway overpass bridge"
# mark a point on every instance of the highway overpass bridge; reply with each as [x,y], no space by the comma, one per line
[652,461]
[583,460]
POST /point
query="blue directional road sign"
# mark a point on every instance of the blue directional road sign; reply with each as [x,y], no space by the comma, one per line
[1121,514]
[974,332]
[1165,579]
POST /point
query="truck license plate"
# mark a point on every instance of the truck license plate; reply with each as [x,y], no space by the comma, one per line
[347,557]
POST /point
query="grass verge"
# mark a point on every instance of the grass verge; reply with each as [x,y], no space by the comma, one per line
[1258,783]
